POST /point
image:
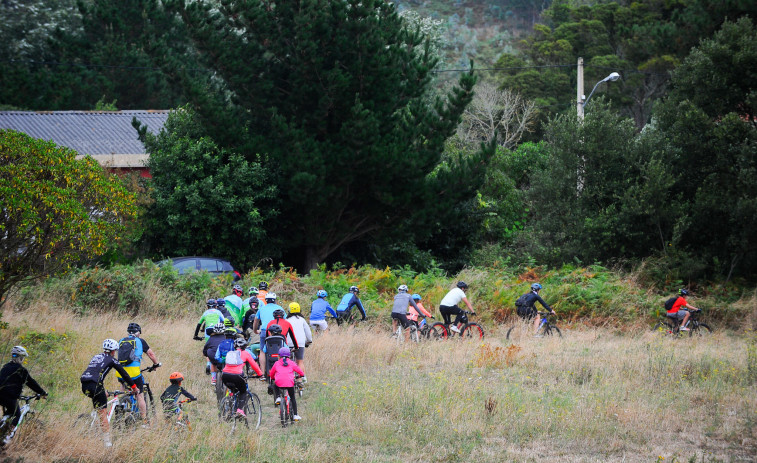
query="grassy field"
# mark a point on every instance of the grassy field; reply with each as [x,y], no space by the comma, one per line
[595,395]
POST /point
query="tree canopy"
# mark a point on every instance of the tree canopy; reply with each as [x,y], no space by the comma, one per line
[55,210]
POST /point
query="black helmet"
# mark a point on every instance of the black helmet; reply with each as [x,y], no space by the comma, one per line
[683,292]
[354,289]
[134,328]
[263,285]
[241,343]
[211,303]
[274,330]
[279,313]
[462,285]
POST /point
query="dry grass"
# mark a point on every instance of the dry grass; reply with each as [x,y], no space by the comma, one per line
[593,396]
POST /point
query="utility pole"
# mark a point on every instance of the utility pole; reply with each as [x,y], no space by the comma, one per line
[580,89]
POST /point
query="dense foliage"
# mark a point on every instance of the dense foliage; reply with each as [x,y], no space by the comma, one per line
[55,210]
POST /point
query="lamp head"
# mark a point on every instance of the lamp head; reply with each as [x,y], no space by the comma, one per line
[612,77]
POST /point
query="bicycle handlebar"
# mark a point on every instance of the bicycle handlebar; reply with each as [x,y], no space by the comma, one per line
[152,368]
[29,398]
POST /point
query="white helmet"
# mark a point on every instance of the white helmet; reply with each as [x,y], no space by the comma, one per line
[110,345]
[270,297]
[18,351]
[402,288]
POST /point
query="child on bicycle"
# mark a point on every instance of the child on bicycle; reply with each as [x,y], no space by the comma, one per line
[282,373]
[13,377]
[170,397]
[413,314]
[234,369]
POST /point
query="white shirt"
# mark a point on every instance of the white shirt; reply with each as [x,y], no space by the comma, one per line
[301,331]
[453,297]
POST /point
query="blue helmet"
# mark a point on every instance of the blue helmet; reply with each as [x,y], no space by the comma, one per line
[220,302]
[683,292]
[322,293]
[416,297]
[535,287]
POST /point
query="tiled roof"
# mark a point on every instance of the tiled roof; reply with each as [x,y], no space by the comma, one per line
[100,134]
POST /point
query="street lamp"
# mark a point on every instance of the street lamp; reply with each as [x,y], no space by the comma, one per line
[611,78]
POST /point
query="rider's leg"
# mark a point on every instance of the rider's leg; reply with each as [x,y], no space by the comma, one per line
[537,321]
[684,321]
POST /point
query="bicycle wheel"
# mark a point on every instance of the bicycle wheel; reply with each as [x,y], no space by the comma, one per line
[701,330]
[253,410]
[550,330]
[220,389]
[438,332]
[472,331]
[86,422]
[283,409]
[225,411]
[149,401]
[415,335]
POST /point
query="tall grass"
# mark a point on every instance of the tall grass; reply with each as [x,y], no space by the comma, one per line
[593,396]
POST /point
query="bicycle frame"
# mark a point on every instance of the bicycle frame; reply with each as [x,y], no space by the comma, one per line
[23,411]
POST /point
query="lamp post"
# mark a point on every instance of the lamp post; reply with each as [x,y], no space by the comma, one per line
[611,78]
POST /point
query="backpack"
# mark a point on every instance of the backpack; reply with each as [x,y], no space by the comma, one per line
[234,357]
[128,352]
[669,303]
[521,305]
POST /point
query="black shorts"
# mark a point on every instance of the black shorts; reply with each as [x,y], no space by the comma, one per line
[139,381]
[402,318]
[526,313]
[96,392]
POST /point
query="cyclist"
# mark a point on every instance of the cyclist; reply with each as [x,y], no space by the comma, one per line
[233,304]
[525,306]
[349,301]
[413,314]
[263,318]
[222,307]
[225,346]
[253,292]
[170,397]
[211,347]
[681,308]
[399,311]
[262,292]
[209,319]
[448,306]
[318,310]
[13,377]
[279,318]
[249,318]
[135,344]
[92,383]
[232,372]
[282,373]
[301,330]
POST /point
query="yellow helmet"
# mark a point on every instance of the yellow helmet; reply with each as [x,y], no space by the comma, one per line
[294,307]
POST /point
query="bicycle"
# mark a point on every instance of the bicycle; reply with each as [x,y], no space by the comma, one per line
[672,326]
[6,432]
[180,422]
[116,413]
[285,408]
[422,331]
[130,403]
[546,328]
[252,409]
[470,330]
[348,318]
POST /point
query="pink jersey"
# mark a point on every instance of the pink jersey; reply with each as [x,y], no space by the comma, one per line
[282,375]
[412,314]
[235,361]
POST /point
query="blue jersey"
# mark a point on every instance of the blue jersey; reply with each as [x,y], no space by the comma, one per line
[223,349]
[348,301]
[318,309]
[265,315]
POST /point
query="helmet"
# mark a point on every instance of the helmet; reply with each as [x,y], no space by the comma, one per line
[108,344]
[230,332]
[402,289]
[279,313]
[237,289]
[228,323]
[210,302]
[220,302]
[322,293]
[263,285]
[270,297]
[241,343]
[275,330]
[134,328]
[683,292]
[354,289]
[253,291]
[284,352]
[176,376]
[255,301]
[462,285]
[294,308]
[218,328]
[19,351]
[535,287]
[416,297]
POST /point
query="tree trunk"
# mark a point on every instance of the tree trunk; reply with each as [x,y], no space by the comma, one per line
[312,258]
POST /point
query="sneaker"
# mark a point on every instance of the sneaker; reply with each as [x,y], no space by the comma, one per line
[240,412]
[262,378]
[108,444]
[212,381]
[538,335]
[297,417]
[454,329]
[278,401]
[685,329]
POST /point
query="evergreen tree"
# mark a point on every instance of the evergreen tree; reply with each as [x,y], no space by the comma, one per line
[336,96]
